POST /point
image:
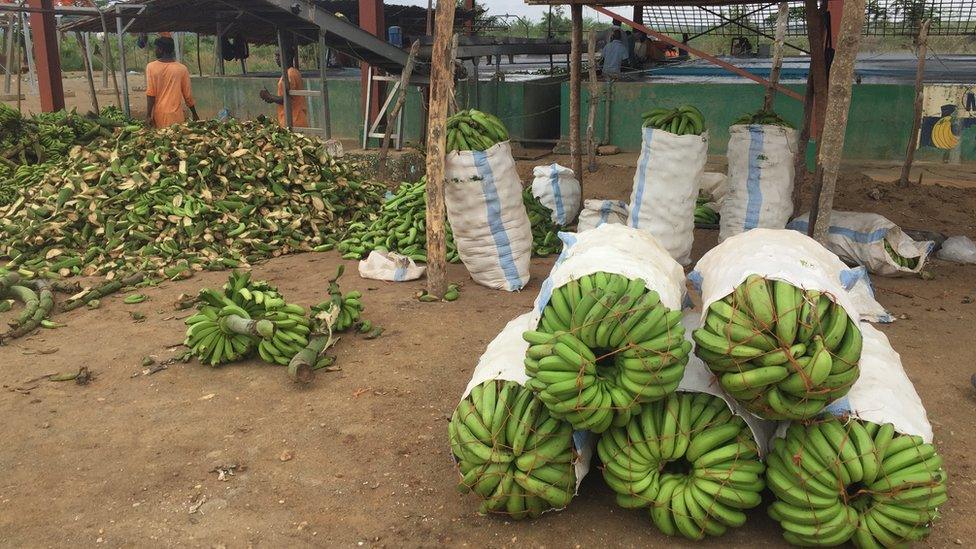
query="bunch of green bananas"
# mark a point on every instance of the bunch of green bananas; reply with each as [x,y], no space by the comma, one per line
[704,214]
[604,345]
[511,452]
[688,459]
[401,226]
[858,481]
[683,120]
[349,306]
[225,334]
[9,116]
[900,260]
[545,237]
[473,130]
[785,353]
[291,332]
[763,118]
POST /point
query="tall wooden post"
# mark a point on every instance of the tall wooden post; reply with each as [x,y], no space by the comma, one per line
[284,47]
[324,84]
[835,122]
[816,97]
[441,90]
[391,115]
[82,43]
[45,30]
[923,38]
[575,65]
[594,88]
[782,19]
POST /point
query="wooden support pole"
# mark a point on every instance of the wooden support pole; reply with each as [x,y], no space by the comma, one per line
[8,59]
[82,43]
[44,27]
[126,104]
[576,55]
[199,60]
[324,85]
[814,101]
[594,88]
[391,116]
[782,18]
[286,62]
[441,90]
[835,122]
[923,38]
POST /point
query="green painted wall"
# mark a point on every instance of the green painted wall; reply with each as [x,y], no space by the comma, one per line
[529,109]
[878,128]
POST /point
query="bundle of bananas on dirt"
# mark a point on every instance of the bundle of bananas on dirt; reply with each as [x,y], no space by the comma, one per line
[605,344]
[9,116]
[857,481]
[762,118]
[704,214]
[511,452]
[473,130]
[900,260]
[222,331]
[785,353]
[689,460]
[545,237]
[683,120]
[401,226]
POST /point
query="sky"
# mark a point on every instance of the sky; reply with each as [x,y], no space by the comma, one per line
[500,7]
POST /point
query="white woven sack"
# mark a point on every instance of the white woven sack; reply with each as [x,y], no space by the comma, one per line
[491,228]
[662,201]
[557,188]
[760,183]
[597,212]
[859,238]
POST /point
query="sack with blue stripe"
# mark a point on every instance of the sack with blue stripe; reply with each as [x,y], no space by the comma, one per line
[871,240]
[760,184]
[666,184]
[598,212]
[491,228]
[557,188]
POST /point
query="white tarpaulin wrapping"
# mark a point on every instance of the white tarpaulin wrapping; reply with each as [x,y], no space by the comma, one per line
[488,218]
[597,212]
[665,190]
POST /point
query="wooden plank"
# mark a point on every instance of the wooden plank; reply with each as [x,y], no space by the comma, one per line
[441,90]
[708,57]
[835,122]
[591,117]
[815,98]
[923,38]
[324,85]
[391,116]
[82,44]
[782,18]
[285,65]
[576,55]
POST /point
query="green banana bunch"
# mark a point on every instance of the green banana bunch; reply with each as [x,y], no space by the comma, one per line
[401,227]
[473,130]
[221,335]
[683,120]
[9,116]
[545,237]
[605,344]
[900,260]
[785,353]
[763,118]
[290,336]
[511,452]
[704,214]
[689,460]
[858,481]
[348,305]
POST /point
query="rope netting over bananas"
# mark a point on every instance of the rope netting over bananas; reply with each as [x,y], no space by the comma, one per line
[857,481]
[511,451]
[784,352]
[689,460]
[605,344]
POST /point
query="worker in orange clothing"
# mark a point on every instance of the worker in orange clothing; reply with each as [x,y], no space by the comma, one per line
[299,104]
[167,87]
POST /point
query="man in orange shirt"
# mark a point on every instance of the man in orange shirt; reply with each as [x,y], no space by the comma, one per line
[299,104]
[167,87]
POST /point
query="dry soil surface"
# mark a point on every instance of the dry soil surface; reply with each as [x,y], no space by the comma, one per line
[239,456]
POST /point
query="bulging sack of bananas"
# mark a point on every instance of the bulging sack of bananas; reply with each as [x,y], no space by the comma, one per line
[597,212]
[864,472]
[491,227]
[871,240]
[760,183]
[510,451]
[690,460]
[558,189]
[778,329]
[473,130]
[662,201]
[607,333]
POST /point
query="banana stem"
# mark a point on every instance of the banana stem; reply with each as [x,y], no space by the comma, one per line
[8,280]
[105,289]
[245,326]
[301,367]
[44,304]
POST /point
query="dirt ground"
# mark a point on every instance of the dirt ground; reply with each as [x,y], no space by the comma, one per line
[360,457]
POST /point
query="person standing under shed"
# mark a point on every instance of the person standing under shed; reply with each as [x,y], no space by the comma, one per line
[167,87]
[299,104]
[613,54]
